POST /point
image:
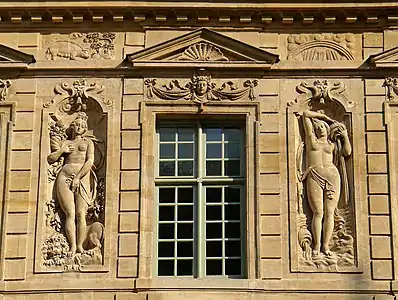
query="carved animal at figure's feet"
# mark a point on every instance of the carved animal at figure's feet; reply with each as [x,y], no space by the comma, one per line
[94,236]
[66,50]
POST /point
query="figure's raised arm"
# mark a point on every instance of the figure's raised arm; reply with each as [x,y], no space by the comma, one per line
[317,115]
[308,127]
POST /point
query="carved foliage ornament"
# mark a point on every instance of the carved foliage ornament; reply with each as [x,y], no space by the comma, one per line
[201,90]
[202,52]
[4,86]
[325,46]
[392,88]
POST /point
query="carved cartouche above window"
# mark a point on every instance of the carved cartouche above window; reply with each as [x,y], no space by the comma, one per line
[80,46]
[326,46]
[202,52]
[200,90]
[4,86]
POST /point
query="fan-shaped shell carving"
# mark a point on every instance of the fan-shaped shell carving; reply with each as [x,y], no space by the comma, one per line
[203,52]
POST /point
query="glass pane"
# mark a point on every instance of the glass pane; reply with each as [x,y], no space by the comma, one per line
[232,150]
[166,249]
[184,267]
[213,213]
[166,231]
[185,195]
[166,195]
[185,213]
[213,267]
[166,213]
[186,134]
[166,267]
[184,231]
[213,168]
[166,168]
[232,248]
[232,230]
[167,151]
[213,195]
[214,249]
[232,134]
[185,249]
[185,150]
[185,168]
[232,212]
[232,168]
[232,267]
[213,134]
[213,150]
[213,230]
[232,194]
[167,134]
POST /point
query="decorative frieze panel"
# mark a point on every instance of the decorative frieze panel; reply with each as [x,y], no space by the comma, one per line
[325,46]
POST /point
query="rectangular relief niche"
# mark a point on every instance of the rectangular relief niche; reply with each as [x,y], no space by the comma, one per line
[321,180]
[74,198]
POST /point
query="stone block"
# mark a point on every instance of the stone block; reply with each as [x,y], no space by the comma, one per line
[269,40]
[382,270]
[14,269]
[131,102]
[21,141]
[128,245]
[15,246]
[28,40]
[130,120]
[380,247]
[133,86]
[269,103]
[270,225]
[390,39]
[130,201]
[9,39]
[269,122]
[377,163]
[131,49]
[269,142]
[18,201]
[24,86]
[270,204]
[153,37]
[379,225]
[376,142]
[135,39]
[268,87]
[21,160]
[131,296]
[269,163]
[378,184]
[373,39]
[379,204]
[271,247]
[130,159]
[127,267]
[375,122]
[270,183]
[371,51]
[104,296]
[19,180]
[128,222]
[374,103]
[17,223]
[24,121]
[374,87]
[131,139]
[271,268]
[129,180]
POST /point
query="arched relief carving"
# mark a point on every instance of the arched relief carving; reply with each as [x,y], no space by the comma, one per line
[323,209]
[321,47]
[73,193]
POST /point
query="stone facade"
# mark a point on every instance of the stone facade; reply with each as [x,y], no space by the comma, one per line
[84,89]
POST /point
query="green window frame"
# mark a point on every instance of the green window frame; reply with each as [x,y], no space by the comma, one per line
[200,208]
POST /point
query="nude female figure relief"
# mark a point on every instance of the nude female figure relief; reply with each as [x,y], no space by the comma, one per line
[326,144]
[74,183]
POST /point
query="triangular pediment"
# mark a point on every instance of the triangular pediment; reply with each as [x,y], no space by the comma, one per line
[385,59]
[203,48]
[11,58]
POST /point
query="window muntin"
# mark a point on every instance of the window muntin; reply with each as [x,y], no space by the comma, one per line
[200,206]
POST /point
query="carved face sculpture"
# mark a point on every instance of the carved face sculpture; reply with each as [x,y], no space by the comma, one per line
[321,129]
[79,126]
[201,87]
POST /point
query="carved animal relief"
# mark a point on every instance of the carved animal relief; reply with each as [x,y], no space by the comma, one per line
[326,46]
[323,176]
[200,90]
[81,46]
[74,212]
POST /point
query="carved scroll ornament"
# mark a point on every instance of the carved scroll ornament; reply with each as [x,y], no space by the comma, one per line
[201,90]
[4,86]
[392,88]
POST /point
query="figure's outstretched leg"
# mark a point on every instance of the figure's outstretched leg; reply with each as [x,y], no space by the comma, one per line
[315,200]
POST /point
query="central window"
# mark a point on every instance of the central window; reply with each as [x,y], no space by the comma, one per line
[200,185]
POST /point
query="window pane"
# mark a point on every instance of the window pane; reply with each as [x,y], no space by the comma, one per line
[213,212]
[185,249]
[185,168]
[232,230]
[185,150]
[184,267]
[167,151]
[213,151]
[213,267]
[213,134]
[233,267]
[213,230]
[214,249]
[232,150]
[232,248]
[185,231]
[213,195]
[185,195]
[166,168]
[232,168]
[232,212]
[232,134]
[166,213]
[232,194]
[167,134]
[166,195]
[166,231]
[213,168]
[166,249]
[186,134]
[166,267]
[185,213]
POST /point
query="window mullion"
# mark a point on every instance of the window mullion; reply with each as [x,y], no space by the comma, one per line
[200,243]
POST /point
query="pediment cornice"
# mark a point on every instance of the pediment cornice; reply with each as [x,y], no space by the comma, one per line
[11,58]
[385,59]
